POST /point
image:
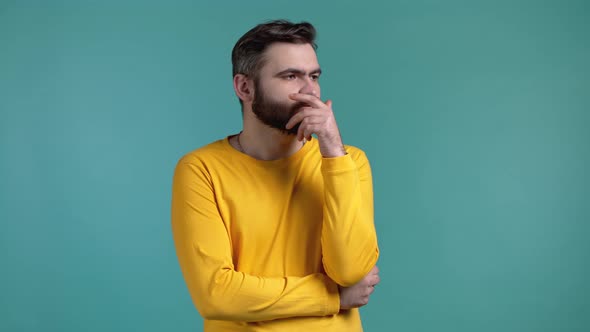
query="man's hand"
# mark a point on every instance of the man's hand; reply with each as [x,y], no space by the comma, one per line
[317,118]
[358,294]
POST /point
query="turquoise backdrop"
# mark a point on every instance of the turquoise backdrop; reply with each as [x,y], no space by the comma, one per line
[474,115]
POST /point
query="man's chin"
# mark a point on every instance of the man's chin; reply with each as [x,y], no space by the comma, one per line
[285,131]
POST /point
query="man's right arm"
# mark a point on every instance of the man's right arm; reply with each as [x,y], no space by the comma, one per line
[219,291]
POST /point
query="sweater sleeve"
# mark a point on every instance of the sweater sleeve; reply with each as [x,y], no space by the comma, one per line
[204,252]
[349,240]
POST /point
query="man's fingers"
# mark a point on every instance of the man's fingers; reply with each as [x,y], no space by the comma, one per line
[298,117]
[376,280]
[300,132]
[309,99]
[376,269]
[304,131]
[295,119]
[372,280]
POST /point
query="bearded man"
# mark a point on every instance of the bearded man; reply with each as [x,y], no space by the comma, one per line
[273,227]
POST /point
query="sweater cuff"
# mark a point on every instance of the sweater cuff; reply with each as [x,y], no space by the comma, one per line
[333,298]
[338,164]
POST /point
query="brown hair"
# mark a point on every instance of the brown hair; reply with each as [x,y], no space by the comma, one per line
[247,54]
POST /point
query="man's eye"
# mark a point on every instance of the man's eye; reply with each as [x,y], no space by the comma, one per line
[290,77]
[315,77]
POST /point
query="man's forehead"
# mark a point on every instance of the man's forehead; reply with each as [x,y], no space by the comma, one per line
[280,56]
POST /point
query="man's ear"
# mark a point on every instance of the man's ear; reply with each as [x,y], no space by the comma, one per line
[244,88]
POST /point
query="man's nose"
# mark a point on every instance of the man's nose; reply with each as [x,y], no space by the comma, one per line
[309,88]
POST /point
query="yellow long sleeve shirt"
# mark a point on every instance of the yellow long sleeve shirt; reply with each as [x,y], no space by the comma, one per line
[263,245]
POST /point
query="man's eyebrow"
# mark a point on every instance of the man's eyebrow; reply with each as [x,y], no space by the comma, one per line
[297,71]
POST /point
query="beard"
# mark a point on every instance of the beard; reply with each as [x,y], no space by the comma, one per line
[275,114]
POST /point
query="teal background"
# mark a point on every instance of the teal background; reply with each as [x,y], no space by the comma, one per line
[474,115]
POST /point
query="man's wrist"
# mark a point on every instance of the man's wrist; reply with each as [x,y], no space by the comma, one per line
[334,153]
[332,149]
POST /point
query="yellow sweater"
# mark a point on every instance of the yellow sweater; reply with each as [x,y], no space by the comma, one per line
[263,245]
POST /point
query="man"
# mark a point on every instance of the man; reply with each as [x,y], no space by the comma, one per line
[273,228]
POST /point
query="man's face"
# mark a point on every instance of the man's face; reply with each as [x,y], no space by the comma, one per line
[289,68]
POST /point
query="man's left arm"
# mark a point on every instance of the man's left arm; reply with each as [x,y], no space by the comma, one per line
[349,240]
